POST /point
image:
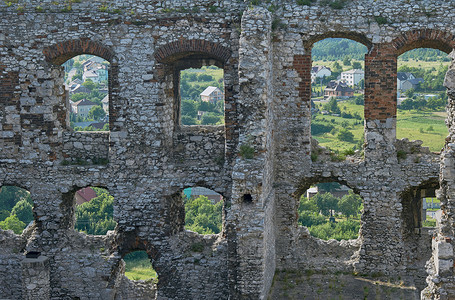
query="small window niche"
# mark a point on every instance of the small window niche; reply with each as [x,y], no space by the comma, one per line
[202,96]
[87,89]
[94,211]
[331,210]
[139,267]
[203,210]
[16,209]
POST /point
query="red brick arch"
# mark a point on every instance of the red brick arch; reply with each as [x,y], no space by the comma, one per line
[424,38]
[360,38]
[63,51]
[181,48]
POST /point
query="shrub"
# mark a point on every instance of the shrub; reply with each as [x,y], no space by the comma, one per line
[246,151]
[345,135]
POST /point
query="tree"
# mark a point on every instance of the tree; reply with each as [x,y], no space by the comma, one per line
[210,119]
[96,113]
[189,108]
[350,204]
[4,214]
[337,67]
[23,210]
[89,84]
[202,216]
[347,61]
[332,106]
[10,195]
[308,204]
[345,135]
[205,77]
[356,65]
[96,216]
[409,93]
[13,223]
[326,203]
[187,120]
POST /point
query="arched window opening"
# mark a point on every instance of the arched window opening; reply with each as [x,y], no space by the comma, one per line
[139,267]
[331,211]
[94,211]
[202,96]
[16,209]
[421,97]
[203,210]
[86,83]
[337,95]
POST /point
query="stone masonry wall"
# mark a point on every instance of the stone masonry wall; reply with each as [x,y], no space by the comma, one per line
[148,158]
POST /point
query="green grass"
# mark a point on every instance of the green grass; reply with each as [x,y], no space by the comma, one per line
[422,64]
[139,269]
[217,74]
[414,125]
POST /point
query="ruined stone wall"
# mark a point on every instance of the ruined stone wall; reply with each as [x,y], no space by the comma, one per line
[151,158]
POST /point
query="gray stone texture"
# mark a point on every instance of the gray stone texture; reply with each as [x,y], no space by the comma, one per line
[152,158]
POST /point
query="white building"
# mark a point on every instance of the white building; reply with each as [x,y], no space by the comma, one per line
[320,72]
[82,107]
[352,77]
[212,94]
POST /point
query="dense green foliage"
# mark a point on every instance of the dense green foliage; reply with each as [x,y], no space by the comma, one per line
[425,54]
[96,216]
[16,209]
[12,223]
[202,216]
[314,213]
[337,48]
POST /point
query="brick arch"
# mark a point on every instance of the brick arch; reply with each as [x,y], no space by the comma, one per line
[61,52]
[360,38]
[182,48]
[424,38]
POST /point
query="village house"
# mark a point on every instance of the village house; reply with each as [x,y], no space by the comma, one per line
[406,81]
[212,95]
[196,192]
[320,72]
[338,89]
[79,88]
[411,84]
[352,77]
[82,107]
[105,103]
[84,195]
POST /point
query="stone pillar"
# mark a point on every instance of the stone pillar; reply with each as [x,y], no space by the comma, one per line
[380,103]
[382,247]
[250,219]
[36,278]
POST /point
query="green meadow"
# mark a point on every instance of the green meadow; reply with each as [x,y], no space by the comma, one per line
[426,126]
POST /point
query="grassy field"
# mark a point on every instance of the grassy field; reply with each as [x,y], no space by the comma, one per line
[414,125]
[422,64]
[216,73]
[340,62]
[139,269]
[428,127]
